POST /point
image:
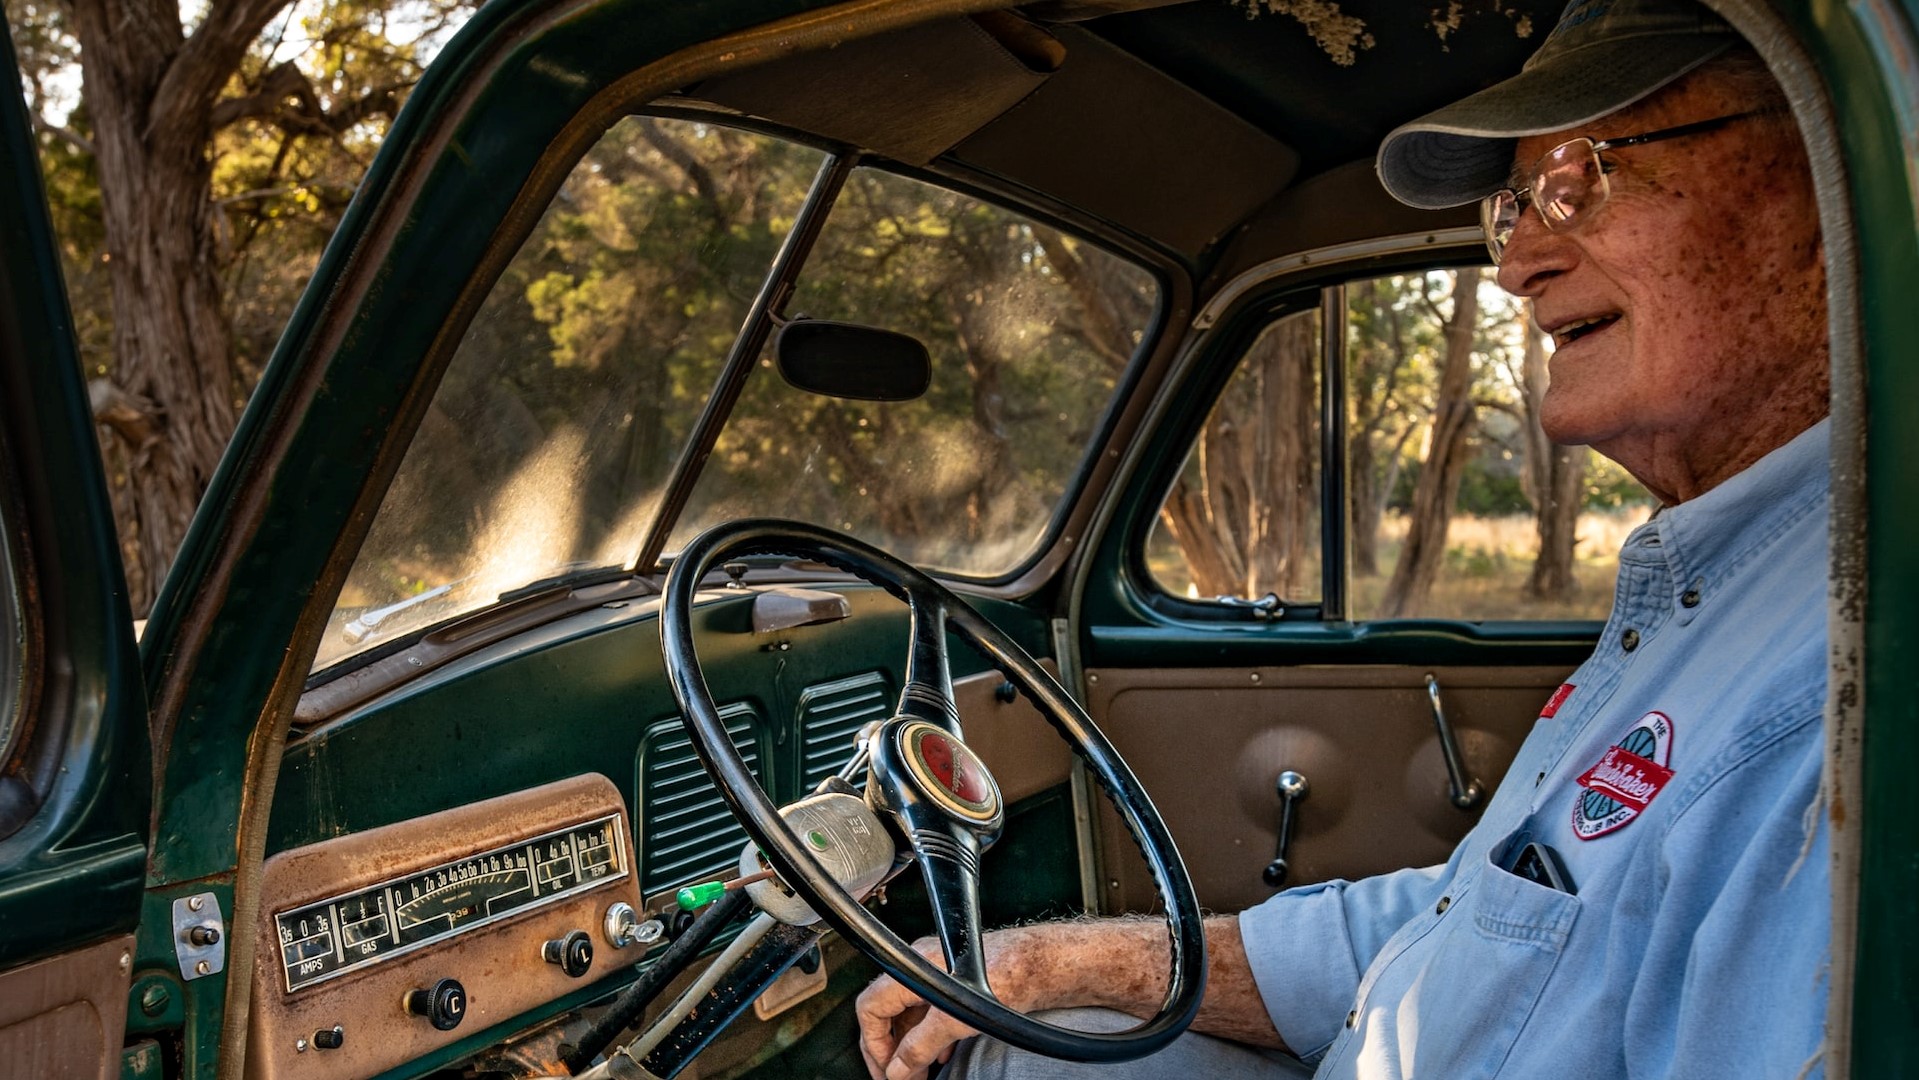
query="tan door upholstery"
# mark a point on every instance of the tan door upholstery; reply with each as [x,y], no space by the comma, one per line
[1208,744]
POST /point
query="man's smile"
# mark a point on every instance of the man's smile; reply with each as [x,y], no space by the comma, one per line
[1567,331]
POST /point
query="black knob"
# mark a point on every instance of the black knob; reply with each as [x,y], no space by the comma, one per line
[443,1004]
[329,1038]
[204,936]
[574,953]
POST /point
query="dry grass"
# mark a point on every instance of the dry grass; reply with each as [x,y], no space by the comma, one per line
[1488,560]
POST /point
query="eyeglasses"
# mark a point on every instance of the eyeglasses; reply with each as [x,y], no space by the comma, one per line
[1568,185]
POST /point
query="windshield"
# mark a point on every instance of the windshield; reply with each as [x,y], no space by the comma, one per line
[560,420]
[553,431]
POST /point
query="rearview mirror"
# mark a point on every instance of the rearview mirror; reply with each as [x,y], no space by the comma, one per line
[847,360]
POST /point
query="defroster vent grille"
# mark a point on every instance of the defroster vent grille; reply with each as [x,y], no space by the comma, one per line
[830,714]
[685,830]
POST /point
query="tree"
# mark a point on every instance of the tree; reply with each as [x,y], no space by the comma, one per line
[1382,368]
[1554,481]
[1244,510]
[1453,422]
[168,120]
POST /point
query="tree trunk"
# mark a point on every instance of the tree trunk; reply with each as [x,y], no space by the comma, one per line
[150,90]
[1554,478]
[1246,521]
[1445,463]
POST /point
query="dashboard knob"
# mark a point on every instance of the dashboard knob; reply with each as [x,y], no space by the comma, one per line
[329,1038]
[443,1004]
[574,953]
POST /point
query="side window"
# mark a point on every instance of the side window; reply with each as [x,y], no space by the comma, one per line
[1457,505]
[1242,519]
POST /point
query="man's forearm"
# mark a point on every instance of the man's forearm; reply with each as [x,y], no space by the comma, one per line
[1122,964]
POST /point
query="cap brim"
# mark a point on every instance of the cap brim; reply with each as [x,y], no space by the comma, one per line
[1464,151]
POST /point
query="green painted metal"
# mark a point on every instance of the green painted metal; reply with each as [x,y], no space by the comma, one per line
[1869,53]
[144,1060]
[488,728]
[88,836]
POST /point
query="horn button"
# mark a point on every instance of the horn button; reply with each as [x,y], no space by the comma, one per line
[944,773]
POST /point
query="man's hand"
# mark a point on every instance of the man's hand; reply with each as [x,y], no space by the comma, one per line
[901,1036]
[1114,963]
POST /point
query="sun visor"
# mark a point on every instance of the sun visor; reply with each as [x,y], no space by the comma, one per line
[1122,140]
[909,94]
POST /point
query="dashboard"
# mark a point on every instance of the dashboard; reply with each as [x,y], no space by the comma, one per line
[385,945]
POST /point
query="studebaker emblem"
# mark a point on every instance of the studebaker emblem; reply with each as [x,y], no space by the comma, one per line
[949,773]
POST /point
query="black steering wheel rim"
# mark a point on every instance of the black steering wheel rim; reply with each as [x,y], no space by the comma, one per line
[761,818]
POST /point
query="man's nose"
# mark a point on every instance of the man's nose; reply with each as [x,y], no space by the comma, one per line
[1533,256]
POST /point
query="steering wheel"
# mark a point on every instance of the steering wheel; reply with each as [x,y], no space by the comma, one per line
[935,791]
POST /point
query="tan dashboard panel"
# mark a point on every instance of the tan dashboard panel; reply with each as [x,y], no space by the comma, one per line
[499,963]
[1023,751]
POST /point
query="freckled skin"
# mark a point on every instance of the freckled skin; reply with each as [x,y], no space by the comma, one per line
[1709,250]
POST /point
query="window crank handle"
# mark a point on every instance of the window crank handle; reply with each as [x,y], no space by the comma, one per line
[1292,788]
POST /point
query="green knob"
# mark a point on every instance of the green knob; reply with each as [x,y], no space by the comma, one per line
[698,896]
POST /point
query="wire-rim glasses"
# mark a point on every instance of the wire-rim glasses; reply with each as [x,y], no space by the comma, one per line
[1569,183]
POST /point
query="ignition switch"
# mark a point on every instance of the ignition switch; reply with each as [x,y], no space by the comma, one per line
[573,953]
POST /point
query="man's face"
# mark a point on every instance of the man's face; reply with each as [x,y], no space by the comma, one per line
[1705,272]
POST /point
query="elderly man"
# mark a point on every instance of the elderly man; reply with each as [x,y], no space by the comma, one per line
[1647,894]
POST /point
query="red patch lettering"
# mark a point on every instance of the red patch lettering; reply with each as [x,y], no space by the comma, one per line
[1626,777]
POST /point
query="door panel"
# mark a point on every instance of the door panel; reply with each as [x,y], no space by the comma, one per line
[61,1019]
[1209,743]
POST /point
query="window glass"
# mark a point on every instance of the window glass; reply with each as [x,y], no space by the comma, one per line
[1242,520]
[1029,332]
[549,439]
[1460,507]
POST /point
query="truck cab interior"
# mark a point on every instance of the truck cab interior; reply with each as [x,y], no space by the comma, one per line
[543,571]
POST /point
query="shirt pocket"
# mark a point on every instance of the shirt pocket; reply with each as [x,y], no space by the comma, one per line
[1483,980]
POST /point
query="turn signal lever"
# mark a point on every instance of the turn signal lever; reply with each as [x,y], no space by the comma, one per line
[1292,788]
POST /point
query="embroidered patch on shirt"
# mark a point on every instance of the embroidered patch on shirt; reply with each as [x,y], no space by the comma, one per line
[1553,703]
[1626,779]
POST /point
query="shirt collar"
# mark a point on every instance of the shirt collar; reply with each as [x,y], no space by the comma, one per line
[1704,540]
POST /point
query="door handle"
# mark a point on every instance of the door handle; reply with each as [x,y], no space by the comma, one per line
[1292,788]
[1465,791]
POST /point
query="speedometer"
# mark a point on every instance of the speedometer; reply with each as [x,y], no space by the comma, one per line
[348,932]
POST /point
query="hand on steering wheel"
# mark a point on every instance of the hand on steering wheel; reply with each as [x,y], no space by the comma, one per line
[934,791]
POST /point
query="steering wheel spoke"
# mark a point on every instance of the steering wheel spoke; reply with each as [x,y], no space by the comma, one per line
[949,864]
[936,790]
[928,692]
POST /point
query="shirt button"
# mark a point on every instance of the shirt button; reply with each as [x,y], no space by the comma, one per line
[1444,903]
[1352,1018]
[1689,598]
[1629,640]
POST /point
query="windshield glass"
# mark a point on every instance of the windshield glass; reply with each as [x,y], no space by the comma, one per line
[557,422]
[1029,330]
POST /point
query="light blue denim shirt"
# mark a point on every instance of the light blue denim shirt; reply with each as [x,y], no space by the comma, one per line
[1677,776]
